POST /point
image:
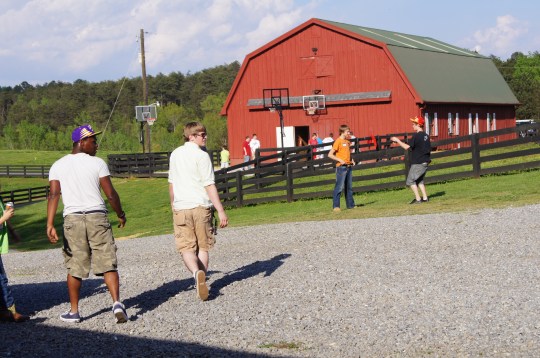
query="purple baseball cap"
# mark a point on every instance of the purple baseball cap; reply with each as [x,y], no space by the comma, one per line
[82,132]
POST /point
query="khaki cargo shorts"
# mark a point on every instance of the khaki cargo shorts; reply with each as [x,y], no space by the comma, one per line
[89,242]
[193,229]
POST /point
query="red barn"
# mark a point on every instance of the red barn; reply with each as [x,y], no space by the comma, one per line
[373,80]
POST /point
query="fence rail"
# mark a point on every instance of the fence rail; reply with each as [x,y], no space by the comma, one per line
[21,196]
[25,171]
[298,175]
[289,174]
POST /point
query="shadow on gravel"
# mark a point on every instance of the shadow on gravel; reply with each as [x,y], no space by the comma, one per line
[33,339]
[35,297]
[267,267]
[150,300]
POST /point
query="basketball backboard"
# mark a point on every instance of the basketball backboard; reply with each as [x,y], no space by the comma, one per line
[145,113]
[274,98]
[314,102]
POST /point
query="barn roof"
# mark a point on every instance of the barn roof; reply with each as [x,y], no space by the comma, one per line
[437,72]
[441,72]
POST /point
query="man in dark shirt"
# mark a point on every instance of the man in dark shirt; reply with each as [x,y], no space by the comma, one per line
[420,146]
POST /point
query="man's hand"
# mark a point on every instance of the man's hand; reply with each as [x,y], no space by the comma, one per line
[51,234]
[122,221]
[223,219]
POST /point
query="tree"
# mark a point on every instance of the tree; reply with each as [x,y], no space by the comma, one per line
[215,124]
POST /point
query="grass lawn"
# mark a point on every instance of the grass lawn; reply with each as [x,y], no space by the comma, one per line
[146,203]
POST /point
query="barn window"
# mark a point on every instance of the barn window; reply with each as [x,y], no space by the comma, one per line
[493,123]
[456,125]
[427,124]
[324,66]
[316,66]
[488,123]
[476,124]
[470,123]
[435,124]
[450,125]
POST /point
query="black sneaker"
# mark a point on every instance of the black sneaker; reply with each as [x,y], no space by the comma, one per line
[414,201]
[425,200]
[70,317]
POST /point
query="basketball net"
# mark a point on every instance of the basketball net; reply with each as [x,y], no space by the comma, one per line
[150,121]
[311,110]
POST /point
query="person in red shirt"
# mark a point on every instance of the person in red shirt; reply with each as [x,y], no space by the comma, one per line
[247,151]
[313,142]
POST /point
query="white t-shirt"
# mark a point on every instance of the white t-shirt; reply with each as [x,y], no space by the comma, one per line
[254,144]
[79,176]
[328,140]
[190,171]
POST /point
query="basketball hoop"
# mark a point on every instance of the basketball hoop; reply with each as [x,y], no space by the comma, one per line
[311,110]
[150,121]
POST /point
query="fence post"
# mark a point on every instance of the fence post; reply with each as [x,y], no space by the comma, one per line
[239,193]
[475,152]
[290,192]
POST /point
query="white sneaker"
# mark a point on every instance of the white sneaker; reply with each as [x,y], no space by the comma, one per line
[120,313]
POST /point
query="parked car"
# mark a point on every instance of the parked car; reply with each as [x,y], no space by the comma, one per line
[526,132]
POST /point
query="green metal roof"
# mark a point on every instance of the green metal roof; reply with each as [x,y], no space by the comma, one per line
[441,72]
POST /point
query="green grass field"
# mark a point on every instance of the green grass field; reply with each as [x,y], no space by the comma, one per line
[148,211]
[146,202]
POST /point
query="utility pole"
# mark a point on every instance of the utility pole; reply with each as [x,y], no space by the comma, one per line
[145,94]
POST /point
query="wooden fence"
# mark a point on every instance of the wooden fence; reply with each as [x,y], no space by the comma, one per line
[25,195]
[306,172]
[145,165]
[25,171]
[300,176]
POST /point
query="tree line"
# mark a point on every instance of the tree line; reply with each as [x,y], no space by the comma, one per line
[522,73]
[42,116]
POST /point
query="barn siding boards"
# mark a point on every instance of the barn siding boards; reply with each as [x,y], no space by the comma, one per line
[374,81]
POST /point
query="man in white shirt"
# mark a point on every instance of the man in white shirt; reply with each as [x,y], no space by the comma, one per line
[254,144]
[329,140]
[192,193]
[88,238]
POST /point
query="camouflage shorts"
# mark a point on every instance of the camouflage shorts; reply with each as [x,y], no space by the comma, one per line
[89,242]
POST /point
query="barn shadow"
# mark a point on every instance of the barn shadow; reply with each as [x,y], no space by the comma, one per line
[34,339]
[254,269]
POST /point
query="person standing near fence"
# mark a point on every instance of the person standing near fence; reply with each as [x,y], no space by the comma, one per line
[341,153]
[225,157]
[88,237]
[328,140]
[8,312]
[313,143]
[254,144]
[192,192]
[247,151]
[420,147]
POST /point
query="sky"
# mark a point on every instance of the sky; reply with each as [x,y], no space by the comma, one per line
[99,40]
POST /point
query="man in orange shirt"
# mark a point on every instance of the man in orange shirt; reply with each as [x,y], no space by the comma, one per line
[341,153]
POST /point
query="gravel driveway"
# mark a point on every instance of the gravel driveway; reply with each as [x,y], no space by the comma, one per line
[464,284]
